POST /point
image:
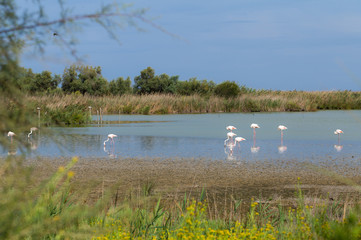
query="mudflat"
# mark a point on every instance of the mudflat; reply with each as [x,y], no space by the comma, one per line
[172,178]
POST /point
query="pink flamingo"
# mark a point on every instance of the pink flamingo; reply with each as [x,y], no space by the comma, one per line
[238,140]
[33,129]
[11,134]
[282,128]
[231,128]
[230,136]
[338,132]
[111,138]
[254,126]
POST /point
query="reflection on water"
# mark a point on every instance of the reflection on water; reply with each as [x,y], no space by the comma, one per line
[147,142]
[310,136]
[255,149]
[110,151]
[338,147]
[282,149]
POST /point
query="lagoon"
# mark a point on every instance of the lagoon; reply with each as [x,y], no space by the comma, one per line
[310,137]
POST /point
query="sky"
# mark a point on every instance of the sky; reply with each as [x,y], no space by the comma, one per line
[306,45]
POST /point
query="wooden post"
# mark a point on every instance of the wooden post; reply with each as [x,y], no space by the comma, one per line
[38,108]
[90,113]
[101,116]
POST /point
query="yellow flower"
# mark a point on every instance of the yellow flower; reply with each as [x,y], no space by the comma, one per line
[61,169]
[75,159]
[70,174]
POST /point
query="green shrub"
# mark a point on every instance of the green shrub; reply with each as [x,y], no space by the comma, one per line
[227,89]
[127,109]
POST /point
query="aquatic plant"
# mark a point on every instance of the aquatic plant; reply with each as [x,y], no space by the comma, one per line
[251,101]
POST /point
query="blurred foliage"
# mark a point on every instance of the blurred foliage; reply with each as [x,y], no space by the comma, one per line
[227,89]
[84,79]
[120,86]
[147,82]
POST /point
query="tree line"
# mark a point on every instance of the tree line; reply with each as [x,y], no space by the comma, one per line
[89,80]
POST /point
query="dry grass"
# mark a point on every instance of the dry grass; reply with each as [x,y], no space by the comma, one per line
[257,101]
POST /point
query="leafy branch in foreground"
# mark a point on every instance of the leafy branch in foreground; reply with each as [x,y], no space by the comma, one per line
[22,27]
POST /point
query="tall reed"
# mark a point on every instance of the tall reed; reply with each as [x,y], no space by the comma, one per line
[255,101]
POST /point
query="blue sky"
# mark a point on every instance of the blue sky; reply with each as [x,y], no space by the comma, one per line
[263,44]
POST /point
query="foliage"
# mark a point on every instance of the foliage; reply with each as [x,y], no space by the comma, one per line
[120,86]
[147,82]
[194,86]
[84,79]
[70,115]
[41,211]
[227,89]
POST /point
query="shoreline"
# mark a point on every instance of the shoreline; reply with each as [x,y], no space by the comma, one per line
[171,179]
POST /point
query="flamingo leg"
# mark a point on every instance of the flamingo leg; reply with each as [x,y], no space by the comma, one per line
[281,138]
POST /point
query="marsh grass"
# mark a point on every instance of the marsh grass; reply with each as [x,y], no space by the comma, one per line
[50,210]
[253,101]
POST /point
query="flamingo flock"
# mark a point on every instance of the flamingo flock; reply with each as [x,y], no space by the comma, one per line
[229,143]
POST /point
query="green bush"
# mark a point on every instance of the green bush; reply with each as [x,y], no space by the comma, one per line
[227,89]
[70,115]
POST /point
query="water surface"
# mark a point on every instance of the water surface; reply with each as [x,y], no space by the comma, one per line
[310,136]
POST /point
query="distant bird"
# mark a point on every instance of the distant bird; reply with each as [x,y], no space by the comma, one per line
[238,140]
[11,134]
[338,132]
[230,136]
[55,34]
[282,128]
[254,126]
[33,129]
[230,128]
[111,138]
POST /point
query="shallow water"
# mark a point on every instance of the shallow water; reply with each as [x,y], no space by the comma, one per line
[310,136]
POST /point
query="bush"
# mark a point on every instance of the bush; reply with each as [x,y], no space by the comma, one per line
[71,115]
[227,89]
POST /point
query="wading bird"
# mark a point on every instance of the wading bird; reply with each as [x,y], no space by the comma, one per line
[230,136]
[231,128]
[338,132]
[11,134]
[254,126]
[238,140]
[281,128]
[33,129]
[111,138]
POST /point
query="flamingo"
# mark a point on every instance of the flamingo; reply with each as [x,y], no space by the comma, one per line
[254,126]
[238,140]
[230,128]
[111,138]
[230,136]
[282,128]
[11,134]
[338,132]
[33,129]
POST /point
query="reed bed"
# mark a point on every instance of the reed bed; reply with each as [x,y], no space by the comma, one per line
[257,101]
[53,210]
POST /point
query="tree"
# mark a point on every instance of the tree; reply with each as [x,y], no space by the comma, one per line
[84,79]
[194,86]
[227,89]
[43,82]
[147,82]
[20,29]
[120,86]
